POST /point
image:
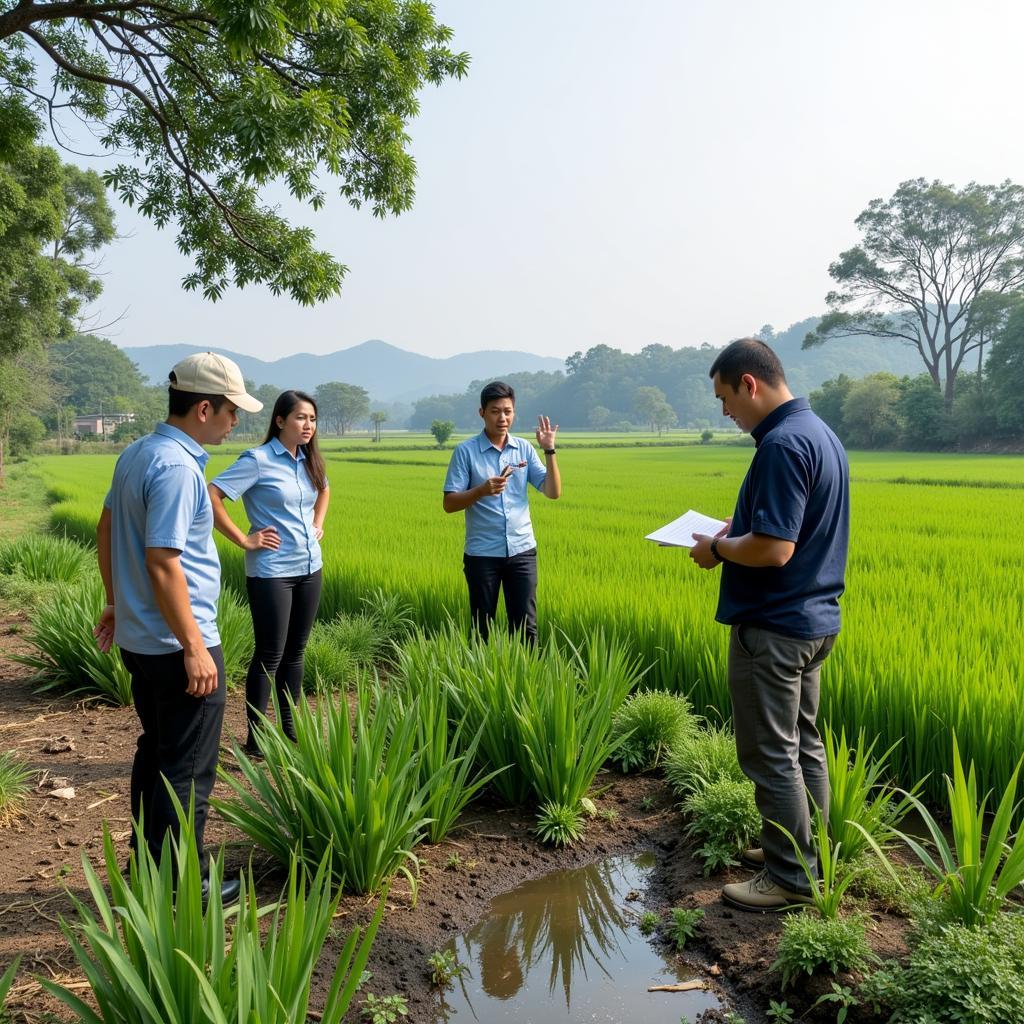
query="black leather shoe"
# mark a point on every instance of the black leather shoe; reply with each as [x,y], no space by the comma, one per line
[229,890]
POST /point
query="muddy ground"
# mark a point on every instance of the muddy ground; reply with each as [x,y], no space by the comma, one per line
[41,854]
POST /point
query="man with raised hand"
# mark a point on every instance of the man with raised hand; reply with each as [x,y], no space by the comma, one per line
[487,478]
[783,560]
[161,573]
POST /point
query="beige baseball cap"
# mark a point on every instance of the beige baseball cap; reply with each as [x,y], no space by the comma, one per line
[206,373]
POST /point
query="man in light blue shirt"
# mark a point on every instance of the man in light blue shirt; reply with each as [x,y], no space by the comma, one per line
[162,578]
[487,478]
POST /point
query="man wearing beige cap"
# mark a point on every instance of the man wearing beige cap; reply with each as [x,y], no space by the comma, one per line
[162,577]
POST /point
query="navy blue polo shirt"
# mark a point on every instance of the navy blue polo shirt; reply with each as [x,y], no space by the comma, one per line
[797,488]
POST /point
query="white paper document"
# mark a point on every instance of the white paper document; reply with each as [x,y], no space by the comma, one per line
[679,533]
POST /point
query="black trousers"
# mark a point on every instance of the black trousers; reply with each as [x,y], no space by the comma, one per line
[283,610]
[180,741]
[517,578]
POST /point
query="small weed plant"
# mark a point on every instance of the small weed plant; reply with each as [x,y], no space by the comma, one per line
[444,967]
[384,1009]
[810,942]
[559,824]
[14,779]
[683,926]
[700,758]
[841,996]
[648,922]
[724,819]
[650,724]
[780,1011]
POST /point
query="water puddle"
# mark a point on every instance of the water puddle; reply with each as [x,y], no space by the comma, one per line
[568,947]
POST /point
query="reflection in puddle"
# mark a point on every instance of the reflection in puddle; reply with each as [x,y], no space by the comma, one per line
[567,947]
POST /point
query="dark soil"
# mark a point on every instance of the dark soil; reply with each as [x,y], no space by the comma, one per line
[41,855]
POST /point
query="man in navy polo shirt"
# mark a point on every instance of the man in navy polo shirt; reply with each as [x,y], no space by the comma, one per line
[162,578]
[488,477]
[783,559]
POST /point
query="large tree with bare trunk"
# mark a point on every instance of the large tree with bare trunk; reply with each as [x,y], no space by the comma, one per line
[931,271]
[212,103]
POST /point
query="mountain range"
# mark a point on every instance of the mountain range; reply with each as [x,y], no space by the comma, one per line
[388,373]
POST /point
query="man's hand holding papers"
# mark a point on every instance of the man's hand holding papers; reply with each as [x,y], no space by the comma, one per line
[685,531]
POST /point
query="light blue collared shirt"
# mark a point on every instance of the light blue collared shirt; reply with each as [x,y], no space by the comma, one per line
[276,491]
[158,499]
[497,526]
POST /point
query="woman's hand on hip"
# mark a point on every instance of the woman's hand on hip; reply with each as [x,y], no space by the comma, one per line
[267,538]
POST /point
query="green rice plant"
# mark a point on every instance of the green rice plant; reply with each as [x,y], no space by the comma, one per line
[702,757]
[6,981]
[394,616]
[328,666]
[19,594]
[828,885]
[66,655]
[860,802]
[979,871]
[446,761]
[559,824]
[361,636]
[46,559]
[566,728]
[154,952]
[724,819]
[683,926]
[14,776]
[347,789]
[649,725]
[234,623]
[810,942]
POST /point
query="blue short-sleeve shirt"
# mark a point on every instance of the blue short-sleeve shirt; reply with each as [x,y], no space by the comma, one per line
[158,499]
[798,489]
[276,491]
[497,526]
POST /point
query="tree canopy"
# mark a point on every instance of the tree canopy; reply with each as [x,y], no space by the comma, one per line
[211,104]
[927,257]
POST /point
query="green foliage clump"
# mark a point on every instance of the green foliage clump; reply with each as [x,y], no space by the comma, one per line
[724,819]
[14,776]
[648,922]
[810,942]
[700,758]
[444,967]
[338,650]
[559,824]
[66,655]
[21,594]
[956,974]
[650,724]
[683,926]
[46,559]
[896,889]
[156,951]
[384,1009]
[234,623]
[348,790]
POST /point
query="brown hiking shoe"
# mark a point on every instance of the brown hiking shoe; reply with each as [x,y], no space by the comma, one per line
[753,858]
[761,893]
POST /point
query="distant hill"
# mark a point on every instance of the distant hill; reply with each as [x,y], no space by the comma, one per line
[390,374]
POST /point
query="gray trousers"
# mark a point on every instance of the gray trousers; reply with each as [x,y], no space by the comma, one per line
[774,686]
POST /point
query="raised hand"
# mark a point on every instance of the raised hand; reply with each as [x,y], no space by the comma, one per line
[546,433]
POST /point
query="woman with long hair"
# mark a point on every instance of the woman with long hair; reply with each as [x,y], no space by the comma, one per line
[283,486]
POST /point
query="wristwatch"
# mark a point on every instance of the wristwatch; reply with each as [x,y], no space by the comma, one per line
[714,550]
[549,451]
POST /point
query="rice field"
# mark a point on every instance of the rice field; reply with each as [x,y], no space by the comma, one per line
[933,614]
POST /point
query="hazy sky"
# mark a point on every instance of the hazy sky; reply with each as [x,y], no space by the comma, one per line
[672,171]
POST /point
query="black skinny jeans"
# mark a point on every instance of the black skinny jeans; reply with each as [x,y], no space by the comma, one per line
[517,577]
[180,741]
[283,609]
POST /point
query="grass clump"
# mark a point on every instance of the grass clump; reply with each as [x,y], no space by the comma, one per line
[810,942]
[234,623]
[348,790]
[44,558]
[648,922]
[66,655]
[683,926]
[648,725]
[956,974]
[340,649]
[700,758]
[14,776]
[724,819]
[559,824]
[153,951]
